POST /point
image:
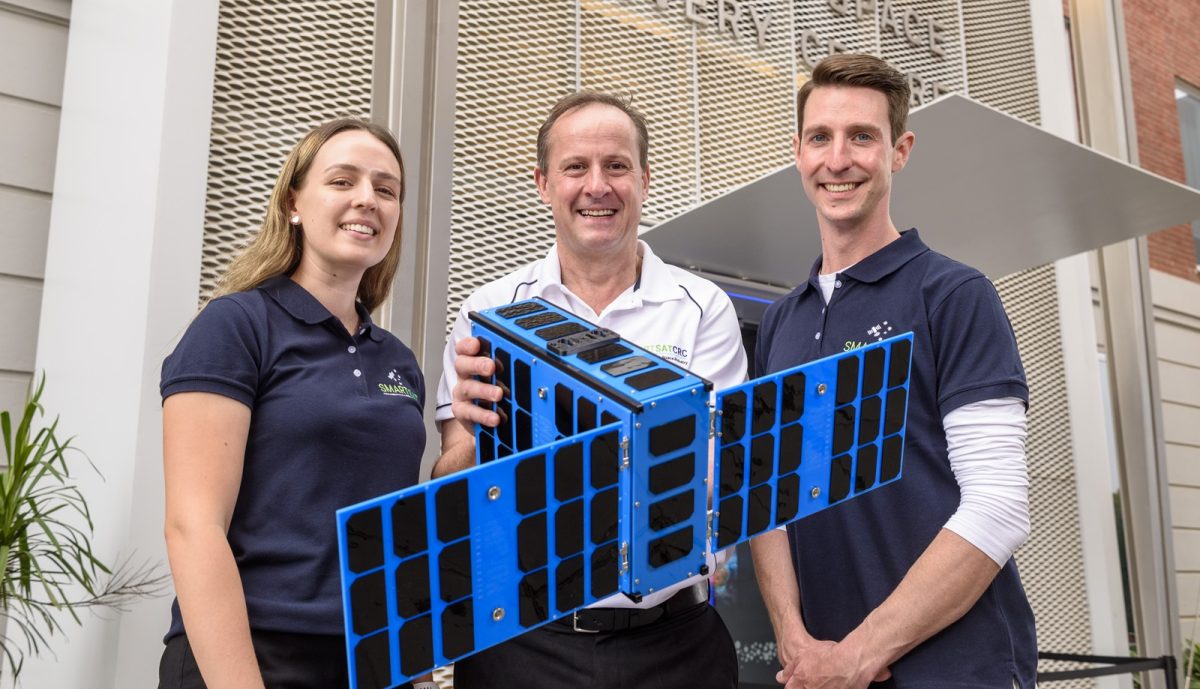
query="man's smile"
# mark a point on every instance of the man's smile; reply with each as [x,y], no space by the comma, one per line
[839,187]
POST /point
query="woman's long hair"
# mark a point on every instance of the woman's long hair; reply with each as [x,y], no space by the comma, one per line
[277,248]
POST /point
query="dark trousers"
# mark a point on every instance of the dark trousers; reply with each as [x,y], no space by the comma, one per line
[287,661]
[688,650]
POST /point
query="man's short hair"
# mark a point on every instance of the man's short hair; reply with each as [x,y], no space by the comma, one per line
[867,71]
[585,98]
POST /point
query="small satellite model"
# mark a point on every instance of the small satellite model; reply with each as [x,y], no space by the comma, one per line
[596,482]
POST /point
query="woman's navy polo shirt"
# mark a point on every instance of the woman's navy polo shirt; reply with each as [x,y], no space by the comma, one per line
[335,419]
[850,557]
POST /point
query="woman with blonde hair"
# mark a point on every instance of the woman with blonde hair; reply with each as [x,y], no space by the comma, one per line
[283,402]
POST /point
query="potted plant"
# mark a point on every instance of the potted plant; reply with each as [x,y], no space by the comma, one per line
[45,540]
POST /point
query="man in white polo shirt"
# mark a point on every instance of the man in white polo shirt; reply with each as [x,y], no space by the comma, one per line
[592,171]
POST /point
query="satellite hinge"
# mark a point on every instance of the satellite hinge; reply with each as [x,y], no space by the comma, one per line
[712,422]
[624,557]
[709,527]
[625,452]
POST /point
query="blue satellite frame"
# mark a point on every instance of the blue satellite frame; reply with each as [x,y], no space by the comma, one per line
[596,483]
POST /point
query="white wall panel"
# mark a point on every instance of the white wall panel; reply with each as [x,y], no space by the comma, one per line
[1185,507]
[1173,293]
[1189,597]
[28,141]
[1180,383]
[1177,329]
[1183,464]
[33,51]
[26,220]
[20,303]
[1187,550]
[34,54]
[1181,425]
[1178,344]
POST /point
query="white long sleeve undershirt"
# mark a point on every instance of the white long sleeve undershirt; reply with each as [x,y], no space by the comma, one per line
[986,443]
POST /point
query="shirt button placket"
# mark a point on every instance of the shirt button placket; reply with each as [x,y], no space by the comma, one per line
[820,336]
[364,390]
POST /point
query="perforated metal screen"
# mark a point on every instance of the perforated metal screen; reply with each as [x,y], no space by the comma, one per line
[282,68]
[1000,60]
[745,102]
[625,50]
[515,59]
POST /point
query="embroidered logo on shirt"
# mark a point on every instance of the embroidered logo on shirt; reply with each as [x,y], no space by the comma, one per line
[877,331]
[397,386]
[669,352]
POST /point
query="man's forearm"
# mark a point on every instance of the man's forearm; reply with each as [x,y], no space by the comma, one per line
[458,449]
[777,583]
[941,586]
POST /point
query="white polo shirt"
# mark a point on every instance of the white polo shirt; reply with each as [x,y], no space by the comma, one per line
[668,311]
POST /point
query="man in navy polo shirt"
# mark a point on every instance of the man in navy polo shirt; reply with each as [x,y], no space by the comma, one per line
[912,584]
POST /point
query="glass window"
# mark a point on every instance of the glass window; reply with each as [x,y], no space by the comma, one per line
[1188,102]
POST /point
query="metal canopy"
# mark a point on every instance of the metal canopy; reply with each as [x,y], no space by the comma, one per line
[982,187]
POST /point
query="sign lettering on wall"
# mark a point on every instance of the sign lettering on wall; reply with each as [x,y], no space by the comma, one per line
[741,19]
[747,22]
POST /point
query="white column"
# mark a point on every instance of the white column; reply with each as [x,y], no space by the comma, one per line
[1094,487]
[1106,110]
[122,276]
[414,93]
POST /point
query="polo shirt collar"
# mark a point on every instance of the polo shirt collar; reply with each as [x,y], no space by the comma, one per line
[305,308]
[368,326]
[657,283]
[653,284]
[549,272]
[889,259]
[878,265]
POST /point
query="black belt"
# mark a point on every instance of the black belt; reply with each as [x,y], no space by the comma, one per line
[595,620]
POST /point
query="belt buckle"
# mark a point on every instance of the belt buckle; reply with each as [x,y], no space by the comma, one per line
[575,625]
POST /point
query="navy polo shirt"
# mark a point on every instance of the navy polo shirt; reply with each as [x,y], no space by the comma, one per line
[850,557]
[335,419]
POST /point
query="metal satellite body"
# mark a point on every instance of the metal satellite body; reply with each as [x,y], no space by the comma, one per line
[596,482]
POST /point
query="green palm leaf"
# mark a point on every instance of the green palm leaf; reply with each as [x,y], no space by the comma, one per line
[45,540]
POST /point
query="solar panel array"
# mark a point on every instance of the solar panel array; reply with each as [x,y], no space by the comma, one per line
[596,483]
[779,458]
[460,564]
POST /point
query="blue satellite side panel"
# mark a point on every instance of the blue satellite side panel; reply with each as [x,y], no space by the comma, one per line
[450,567]
[669,518]
[800,440]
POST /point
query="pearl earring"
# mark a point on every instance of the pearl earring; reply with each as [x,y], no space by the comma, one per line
[296,219]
